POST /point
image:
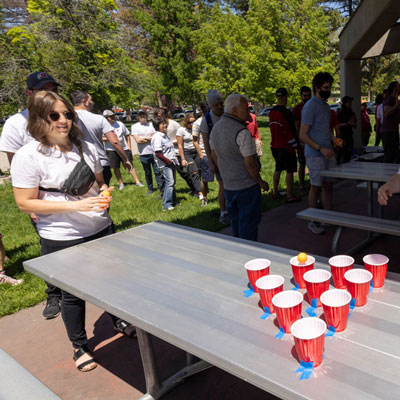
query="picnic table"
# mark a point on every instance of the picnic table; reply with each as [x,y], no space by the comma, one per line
[185,286]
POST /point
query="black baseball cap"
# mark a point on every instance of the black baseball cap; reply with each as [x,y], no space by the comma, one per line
[281,92]
[38,79]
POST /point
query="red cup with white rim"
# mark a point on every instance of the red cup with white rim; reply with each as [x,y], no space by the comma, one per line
[268,286]
[257,268]
[358,282]
[377,265]
[336,305]
[288,308]
[300,268]
[339,265]
[317,282]
[309,339]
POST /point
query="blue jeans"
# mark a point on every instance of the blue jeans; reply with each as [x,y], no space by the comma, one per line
[244,209]
[169,195]
[147,161]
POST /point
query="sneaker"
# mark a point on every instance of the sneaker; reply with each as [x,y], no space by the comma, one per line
[316,228]
[52,308]
[170,208]
[224,219]
[201,197]
[204,201]
[7,279]
[140,184]
[149,192]
[121,186]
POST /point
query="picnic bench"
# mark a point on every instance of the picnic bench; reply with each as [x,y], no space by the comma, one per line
[345,220]
[16,383]
[185,286]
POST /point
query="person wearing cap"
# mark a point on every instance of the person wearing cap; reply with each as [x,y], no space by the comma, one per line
[234,152]
[347,122]
[115,159]
[94,127]
[216,104]
[283,145]
[315,133]
[305,94]
[15,134]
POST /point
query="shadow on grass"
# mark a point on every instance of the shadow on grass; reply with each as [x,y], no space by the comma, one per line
[128,223]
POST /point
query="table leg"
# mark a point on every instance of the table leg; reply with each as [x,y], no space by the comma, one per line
[154,388]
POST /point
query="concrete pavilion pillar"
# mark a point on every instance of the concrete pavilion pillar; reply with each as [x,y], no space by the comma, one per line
[350,85]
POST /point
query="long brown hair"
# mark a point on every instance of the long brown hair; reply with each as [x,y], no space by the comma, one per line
[39,108]
[186,120]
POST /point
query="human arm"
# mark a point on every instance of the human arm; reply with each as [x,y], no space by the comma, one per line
[253,170]
[196,144]
[113,140]
[207,148]
[141,139]
[164,159]
[179,140]
[304,129]
[388,189]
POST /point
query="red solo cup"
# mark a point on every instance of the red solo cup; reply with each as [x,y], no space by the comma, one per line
[317,282]
[336,304]
[309,339]
[358,283]
[268,286]
[256,269]
[340,265]
[377,265]
[299,269]
[288,308]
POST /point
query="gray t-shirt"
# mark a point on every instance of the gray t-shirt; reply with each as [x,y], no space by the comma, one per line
[204,125]
[94,126]
[317,114]
[232,141]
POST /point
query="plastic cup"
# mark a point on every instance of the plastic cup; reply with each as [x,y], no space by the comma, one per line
[268,286]
[309,339]
[317,282]
[288,308]
[340,265]
[336,305]
[377,265]
[358,283]
[257,268]
[299,269]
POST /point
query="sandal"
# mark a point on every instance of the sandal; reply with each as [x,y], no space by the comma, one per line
[125,328]
[84,360]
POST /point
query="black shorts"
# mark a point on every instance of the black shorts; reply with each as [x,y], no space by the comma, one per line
[115,159]
[285,160]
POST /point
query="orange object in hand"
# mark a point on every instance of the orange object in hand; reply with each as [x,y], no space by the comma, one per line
[106,193]
[339,142]
[302,257]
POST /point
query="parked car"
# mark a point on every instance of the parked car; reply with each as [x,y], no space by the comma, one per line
[265,111]
[334,107]
[179,115]
[371,105]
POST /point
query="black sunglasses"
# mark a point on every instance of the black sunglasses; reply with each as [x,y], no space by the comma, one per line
[55,116]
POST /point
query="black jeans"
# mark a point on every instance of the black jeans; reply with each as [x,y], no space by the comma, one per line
[194,168]
[72,308]
[391,147]
[107,174]
[148,161]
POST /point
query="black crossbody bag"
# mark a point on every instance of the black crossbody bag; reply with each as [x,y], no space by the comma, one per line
[79,182]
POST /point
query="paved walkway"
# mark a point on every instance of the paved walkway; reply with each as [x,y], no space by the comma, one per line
[41,346]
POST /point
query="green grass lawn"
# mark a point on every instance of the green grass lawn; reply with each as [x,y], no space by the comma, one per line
[130,208]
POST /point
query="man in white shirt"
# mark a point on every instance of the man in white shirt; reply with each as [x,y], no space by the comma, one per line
[143,132]
[94,127]
[14,134]
[113,157]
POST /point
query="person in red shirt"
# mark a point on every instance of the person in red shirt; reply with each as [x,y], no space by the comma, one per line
[305,94]
[283,144]
[252,126]
[347,122]
[366,128]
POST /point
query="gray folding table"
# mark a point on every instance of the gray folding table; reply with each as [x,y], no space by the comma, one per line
[185,286]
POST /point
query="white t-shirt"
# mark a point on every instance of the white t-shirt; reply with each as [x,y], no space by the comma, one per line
[30,168]
[379,112]
[187,137]
[14,134]
[94,126]
[144,131]
[121,131]
[196,133]
[161,142]
[172,128]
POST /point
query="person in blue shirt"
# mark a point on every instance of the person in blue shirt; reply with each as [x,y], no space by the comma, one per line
[315,133]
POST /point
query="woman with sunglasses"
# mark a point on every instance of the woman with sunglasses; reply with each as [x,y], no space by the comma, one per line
[41,167]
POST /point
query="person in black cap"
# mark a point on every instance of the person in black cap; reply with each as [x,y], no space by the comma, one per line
[283,144]
[347,122]
[15,135]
